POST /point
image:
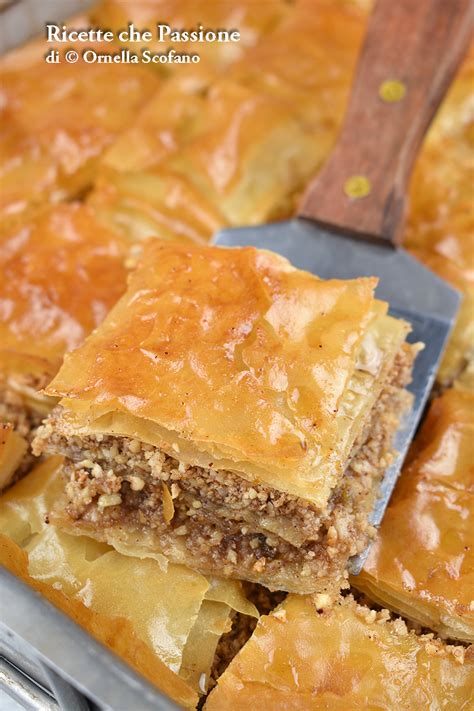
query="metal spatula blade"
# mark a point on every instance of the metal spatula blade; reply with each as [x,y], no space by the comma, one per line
[352,212]
[413,292]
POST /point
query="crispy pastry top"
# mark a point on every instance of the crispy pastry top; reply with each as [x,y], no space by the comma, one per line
[423,559]
[61,273]
[240,153]
[342,657]
[57,119]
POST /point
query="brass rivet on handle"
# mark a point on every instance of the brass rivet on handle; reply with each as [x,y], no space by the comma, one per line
[357,186]
[392,91]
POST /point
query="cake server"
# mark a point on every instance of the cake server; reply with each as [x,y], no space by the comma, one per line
[351,217]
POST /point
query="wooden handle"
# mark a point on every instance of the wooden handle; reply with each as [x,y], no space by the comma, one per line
[411,52]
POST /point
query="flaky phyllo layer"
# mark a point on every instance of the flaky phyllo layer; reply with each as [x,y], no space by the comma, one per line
[165,620]
[233,413]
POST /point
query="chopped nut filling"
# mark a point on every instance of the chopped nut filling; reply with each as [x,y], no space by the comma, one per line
[225,522]
[17,410]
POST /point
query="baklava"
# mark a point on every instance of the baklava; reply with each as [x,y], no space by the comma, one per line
[57,120]
[150,612]
[343,656]
[223,154]
[422,563]
[233,150]
[136,191]
[61,272]
[233,413]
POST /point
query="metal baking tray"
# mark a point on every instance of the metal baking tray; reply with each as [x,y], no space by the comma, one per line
[48,662]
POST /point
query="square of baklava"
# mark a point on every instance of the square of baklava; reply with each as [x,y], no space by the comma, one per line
[422,564]
[233,413]
[61,272]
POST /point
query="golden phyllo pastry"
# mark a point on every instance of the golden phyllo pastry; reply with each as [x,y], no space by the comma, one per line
[234,149]
[57,119]
[137,190]
[222,154]
[422,563]
[148,611]
[61,273]
[233,413]
[342,657]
